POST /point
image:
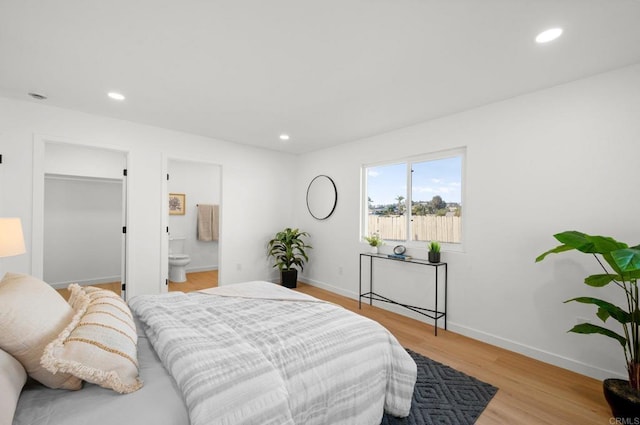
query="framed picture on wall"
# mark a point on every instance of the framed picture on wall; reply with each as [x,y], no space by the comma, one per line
[176,203]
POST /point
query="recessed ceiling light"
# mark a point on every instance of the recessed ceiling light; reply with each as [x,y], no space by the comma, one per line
[37,96]
[284,137]
[549,35]
[115,95]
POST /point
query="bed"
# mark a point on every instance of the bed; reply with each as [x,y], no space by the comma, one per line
[250,353]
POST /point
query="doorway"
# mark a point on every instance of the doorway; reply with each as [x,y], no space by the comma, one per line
[79,235]
[82,236]
[192,185]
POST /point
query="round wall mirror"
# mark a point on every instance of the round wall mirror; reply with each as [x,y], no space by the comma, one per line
[322,197]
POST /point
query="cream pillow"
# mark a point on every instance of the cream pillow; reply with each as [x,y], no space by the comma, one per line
[100,343]
[32,314]
[12,379]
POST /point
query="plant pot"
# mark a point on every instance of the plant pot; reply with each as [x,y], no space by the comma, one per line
[623,400]
[374,249]
[434,257]
[289,278]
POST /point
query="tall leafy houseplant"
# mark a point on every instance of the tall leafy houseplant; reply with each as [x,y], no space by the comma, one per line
[624,264]
[288,251]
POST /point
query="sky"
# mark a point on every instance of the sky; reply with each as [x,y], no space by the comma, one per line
[439,177]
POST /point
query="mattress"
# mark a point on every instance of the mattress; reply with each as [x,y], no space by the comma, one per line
[158,402]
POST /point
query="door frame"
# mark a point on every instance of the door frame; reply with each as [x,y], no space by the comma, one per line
[164,218]
[37,231]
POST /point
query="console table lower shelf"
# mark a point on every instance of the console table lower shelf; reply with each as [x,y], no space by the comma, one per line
[434,313]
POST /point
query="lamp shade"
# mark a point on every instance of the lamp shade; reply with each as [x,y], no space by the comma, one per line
[11,238]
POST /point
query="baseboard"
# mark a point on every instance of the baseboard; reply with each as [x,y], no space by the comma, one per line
[201,269]
[536,353]
[330,288]
[87,282]
[507,344]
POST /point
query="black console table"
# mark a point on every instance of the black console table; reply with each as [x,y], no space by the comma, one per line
[434,313]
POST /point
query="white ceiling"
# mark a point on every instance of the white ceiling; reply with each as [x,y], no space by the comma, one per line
[324,71]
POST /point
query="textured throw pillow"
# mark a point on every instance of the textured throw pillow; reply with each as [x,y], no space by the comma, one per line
[100,343]
[32,314]
[12,379]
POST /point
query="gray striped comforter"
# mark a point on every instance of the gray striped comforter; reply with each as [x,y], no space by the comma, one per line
[279,357]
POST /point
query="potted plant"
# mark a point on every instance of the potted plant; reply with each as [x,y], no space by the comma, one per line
[374,241]
[288,251]
[434,251]
[624,262]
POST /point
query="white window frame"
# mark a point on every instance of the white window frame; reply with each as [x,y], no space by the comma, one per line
[364,206]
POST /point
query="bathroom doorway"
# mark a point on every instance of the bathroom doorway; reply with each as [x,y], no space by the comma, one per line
[192,259]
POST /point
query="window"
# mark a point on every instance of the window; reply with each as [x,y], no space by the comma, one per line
[415,200]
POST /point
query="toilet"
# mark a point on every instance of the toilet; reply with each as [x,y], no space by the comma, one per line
[177,259]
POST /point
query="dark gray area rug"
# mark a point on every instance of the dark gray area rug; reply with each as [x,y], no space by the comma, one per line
[443,395]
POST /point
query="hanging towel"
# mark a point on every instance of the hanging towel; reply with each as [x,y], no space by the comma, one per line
[207,227]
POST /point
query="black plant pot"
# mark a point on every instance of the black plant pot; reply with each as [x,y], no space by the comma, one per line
[434,257]
[623,400]
[289,278]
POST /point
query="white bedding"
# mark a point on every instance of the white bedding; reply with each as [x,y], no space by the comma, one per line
[345,371]
[257,353]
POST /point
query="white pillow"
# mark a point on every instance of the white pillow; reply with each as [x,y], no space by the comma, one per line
[100,343]
[32,314]
[12,379]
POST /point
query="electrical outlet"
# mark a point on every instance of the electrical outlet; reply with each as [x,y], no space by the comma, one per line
[340,270]
[238,267]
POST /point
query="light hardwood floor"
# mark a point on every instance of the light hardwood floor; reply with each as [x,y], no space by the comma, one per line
[195,281]
[530,392]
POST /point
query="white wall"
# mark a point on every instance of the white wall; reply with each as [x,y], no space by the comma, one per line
[200,183]
[79,160]
[250,177]
[559,159]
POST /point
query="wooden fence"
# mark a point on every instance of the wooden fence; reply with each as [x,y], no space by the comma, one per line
[424,227]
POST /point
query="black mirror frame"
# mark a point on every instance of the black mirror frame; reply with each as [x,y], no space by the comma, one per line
[335,199]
